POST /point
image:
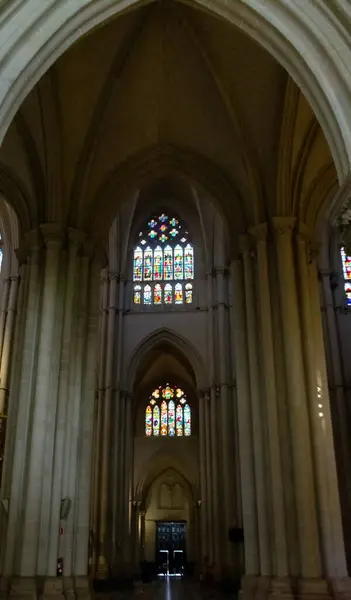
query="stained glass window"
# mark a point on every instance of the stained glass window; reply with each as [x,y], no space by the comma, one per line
[168,412]
[189,262]
[168,294]
[178,293]
[147,294]
[346,266]
[138,263]
[178,262]
[188,293]
[158,263]
[164,257]
[137,294]
[157,294]
[148,264]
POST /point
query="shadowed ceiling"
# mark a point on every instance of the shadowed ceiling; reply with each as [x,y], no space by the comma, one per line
[165,90]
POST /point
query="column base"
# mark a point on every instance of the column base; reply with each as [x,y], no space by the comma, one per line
[23,588]
[248,587]
[340,588]
[281,588]
[53,589]
[313,589]
[83,588]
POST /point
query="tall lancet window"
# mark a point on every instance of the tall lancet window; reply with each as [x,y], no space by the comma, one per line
[163,265]
[168,412]
[346,267]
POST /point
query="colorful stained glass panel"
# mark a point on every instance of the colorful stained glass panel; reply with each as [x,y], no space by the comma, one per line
[156,421]
[138,264]
[189,262]
[188,293]
[137,294]
[168,294]
[147,294]
[147,264]
[187,420]
[171,418]
[178,262]
[164,420]
[346,266]
[158,263]
[168,263]
[148,421]
[178,294]
[179,420]
[157,294]
[167,392]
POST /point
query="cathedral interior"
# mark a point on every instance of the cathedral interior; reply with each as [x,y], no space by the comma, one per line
[175,294]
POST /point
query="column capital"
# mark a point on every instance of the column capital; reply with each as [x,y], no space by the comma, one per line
[52,234]
[244,243]
[259,232]
[283,225]
[76,237]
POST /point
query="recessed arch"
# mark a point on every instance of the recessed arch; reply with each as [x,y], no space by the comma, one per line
[302,42]
[173,340]
[153,163]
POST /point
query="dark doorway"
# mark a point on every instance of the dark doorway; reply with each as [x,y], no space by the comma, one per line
[170,547]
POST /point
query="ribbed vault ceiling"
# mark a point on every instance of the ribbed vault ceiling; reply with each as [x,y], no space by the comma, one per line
[165,88]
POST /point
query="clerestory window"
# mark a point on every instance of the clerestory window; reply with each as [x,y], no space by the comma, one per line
[168,412]
[163,265]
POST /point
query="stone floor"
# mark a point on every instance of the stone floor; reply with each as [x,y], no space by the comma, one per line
[167,590]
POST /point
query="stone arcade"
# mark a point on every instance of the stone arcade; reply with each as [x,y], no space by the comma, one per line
[174,335]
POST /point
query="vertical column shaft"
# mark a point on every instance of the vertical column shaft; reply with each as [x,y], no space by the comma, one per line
[248,488]
[297,398]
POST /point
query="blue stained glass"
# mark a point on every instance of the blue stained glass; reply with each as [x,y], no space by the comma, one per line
[171,418]
[152,223]
[147,294]
[187,420]
[173,222]
[156,420]
[189,262]
[138,263]
[168,263]
[173,232]
[178,262]
[148,264]
[163,218]
[152,234]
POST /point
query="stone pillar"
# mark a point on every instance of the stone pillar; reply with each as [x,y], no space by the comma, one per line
[225,426]
[98,432]
[208,473]
[305,498]
[104,528]
[52,438]
[203,483]
[271,412]
[322,433]
[43,401]
[257,413]
[248,487]
[10,294]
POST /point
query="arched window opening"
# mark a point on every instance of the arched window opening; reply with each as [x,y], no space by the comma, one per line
[168,412]
[163,265]
[346,267]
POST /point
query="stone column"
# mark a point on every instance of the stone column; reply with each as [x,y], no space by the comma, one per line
[98,433]
[203,482]
[8,334]
[246,457]
[104,529]
[208,475]
[271,412]
[82,532]
[226,448]
[42,396]
[322,432]
[305,498]
[256,407]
